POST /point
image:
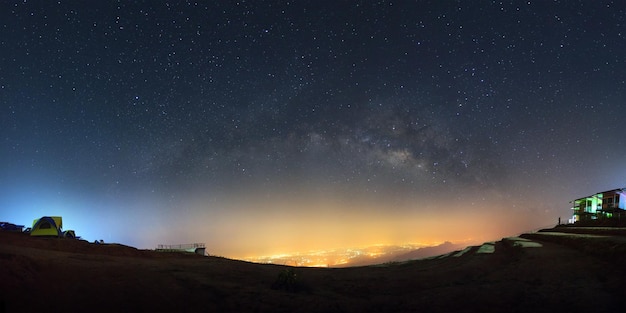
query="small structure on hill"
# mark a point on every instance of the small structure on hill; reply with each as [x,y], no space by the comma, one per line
[197,248]
[6,226]
[610,204]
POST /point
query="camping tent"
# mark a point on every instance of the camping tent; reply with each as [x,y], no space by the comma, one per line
[69,234]
[47,226]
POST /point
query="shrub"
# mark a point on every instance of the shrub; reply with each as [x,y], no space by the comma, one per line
[287,280]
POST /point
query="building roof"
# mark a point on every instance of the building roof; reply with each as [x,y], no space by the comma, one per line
[619,190]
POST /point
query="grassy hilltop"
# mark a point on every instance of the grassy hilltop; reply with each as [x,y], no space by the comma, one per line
[547,271]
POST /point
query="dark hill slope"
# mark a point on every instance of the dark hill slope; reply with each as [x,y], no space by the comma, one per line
[71,276]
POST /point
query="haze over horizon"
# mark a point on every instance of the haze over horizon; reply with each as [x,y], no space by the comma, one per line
[268,128]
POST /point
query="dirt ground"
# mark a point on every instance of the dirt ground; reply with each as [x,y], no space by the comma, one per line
[552,273]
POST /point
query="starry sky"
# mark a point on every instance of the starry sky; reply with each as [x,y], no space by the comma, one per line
[269,127]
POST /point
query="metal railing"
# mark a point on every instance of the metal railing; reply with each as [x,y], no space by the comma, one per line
[186,246]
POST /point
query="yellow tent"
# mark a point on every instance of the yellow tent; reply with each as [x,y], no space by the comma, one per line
[47,226]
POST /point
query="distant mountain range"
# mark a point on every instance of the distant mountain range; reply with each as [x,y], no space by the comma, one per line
[426,252]
[362,256]
[392,255]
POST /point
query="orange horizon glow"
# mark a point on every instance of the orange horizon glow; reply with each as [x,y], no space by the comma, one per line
[254,225]
[251,227]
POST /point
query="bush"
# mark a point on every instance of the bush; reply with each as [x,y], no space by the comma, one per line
[288,280]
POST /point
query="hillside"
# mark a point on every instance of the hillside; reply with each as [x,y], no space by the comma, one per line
[540,272]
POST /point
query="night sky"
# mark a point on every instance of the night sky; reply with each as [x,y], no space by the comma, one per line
[266,127]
